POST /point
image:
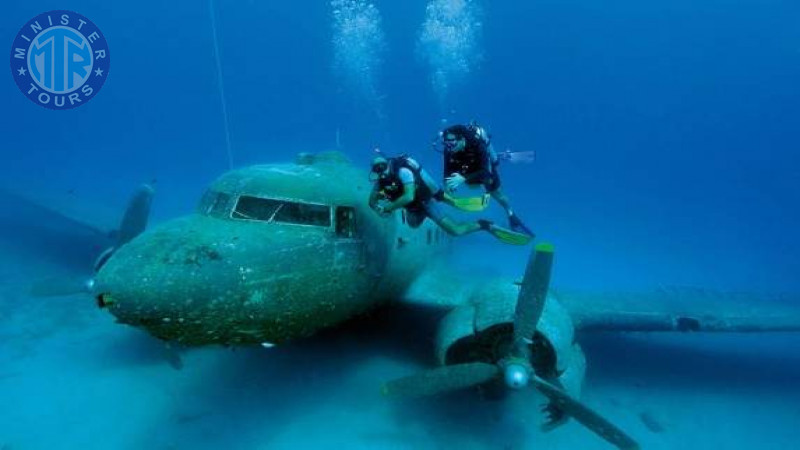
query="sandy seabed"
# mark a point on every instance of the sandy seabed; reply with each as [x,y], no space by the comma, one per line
[72,378]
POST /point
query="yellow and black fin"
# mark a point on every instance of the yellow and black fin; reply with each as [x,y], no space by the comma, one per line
[509,237]
[470,204]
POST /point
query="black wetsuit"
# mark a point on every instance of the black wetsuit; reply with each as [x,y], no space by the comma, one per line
[475,163]
[391,187]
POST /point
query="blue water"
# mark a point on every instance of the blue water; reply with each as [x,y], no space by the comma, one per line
[666,132]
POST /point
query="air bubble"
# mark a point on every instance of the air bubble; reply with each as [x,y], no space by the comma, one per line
[449,42]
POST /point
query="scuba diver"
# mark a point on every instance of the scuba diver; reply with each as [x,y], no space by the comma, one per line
[469,159]
[401,182]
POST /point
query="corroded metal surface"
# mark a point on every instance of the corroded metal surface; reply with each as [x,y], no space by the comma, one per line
[572,377]
[209,279]
[456,325]
[556,325]
[492,305]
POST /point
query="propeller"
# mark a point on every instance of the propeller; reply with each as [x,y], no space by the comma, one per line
[533,293]
[442,379]
[133,223]
[515,367]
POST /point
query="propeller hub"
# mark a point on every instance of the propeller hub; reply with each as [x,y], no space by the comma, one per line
[517,375]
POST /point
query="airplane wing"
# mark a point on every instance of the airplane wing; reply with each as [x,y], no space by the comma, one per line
[51,230]
[66,230]
[65,208]
[663,309]
[682,309]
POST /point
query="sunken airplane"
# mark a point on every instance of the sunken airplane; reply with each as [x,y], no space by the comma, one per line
[277,252]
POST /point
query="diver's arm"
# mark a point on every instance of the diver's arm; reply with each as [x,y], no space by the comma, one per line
[445,198]
[477,176]
[373,197]
[409,191]
[447,167]
[485,170]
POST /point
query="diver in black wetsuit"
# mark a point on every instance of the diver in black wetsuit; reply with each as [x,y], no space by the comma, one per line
[469,159]
[401,182]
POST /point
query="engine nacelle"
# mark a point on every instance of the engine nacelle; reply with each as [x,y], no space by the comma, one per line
[482,329]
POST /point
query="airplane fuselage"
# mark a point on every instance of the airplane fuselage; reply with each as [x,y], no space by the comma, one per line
[273,253]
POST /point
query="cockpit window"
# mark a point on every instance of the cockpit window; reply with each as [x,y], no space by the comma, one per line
[284,211]
[346,221]
[214,203]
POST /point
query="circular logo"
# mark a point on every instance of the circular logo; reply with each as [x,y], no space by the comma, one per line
[60,59]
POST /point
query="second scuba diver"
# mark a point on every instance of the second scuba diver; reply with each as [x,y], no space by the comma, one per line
[401,182]
[469,159]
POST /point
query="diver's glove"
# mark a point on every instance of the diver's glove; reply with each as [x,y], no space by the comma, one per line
[454,181]
[382,210]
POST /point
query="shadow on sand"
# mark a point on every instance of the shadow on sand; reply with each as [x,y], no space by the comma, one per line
[237,397]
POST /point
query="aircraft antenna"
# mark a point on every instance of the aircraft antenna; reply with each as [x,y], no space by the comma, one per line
[220,84]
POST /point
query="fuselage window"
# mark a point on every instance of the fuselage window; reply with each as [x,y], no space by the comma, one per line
[345,221]
[274,210]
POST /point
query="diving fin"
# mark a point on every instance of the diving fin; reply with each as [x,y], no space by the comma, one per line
[470,204]
[516,224]
[504,234]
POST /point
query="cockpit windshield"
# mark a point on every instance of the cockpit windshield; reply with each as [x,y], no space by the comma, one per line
[281,211]
[215,204]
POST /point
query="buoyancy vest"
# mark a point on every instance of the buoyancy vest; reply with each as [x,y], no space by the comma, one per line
[476,161]
[392,187]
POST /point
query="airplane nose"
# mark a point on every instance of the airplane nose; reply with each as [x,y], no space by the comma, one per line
[162,275]
[200,281]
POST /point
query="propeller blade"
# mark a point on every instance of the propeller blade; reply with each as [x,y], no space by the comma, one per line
[533,293]
[136,214]
[59,287]
[585,415]
[441,380]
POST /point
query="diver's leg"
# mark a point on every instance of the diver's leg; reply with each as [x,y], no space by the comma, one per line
[492,186]
[503,200]
[514,222]
[449,225]
[444,197]
[454,228]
